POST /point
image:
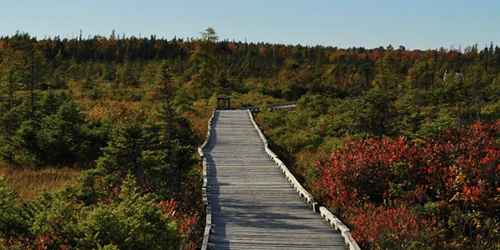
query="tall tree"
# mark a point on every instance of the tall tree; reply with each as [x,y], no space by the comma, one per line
[10,77]
[209,35]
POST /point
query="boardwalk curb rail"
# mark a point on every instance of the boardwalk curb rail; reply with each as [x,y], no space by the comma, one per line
[334,222]
[338,225]
[208,212]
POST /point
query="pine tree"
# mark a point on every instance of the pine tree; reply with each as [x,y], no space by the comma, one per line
[167,118]
[10,77]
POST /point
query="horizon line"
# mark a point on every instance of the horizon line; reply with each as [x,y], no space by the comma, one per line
[453,47]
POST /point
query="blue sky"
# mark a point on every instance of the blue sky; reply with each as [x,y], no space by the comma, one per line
[369,23]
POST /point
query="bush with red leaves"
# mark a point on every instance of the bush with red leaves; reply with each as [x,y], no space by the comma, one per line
[441,193]
[186,224]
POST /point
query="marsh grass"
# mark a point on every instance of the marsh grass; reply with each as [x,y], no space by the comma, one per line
[29,183]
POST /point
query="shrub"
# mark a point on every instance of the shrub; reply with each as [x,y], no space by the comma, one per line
[133,221]
[451,179]
[389,228]
[56,134]
[13,222]
[130,220]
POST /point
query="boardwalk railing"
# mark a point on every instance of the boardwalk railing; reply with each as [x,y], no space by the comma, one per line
[208,212]
[341,227]
[288,106]
[334,222]
[289,176]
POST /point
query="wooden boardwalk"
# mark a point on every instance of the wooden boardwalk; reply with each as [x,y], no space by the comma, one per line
[252,204]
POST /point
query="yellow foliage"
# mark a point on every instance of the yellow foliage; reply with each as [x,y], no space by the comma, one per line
[115,111]
[202,110]
[29,183]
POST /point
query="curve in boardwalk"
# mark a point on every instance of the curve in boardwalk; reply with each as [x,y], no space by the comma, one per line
[252,205]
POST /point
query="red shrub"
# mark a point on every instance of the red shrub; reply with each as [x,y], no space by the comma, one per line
[369,180]
[168,207]
[360,171]
[186,223]
[373,223]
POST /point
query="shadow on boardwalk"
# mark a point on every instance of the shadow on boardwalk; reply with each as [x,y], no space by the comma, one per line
[252,204]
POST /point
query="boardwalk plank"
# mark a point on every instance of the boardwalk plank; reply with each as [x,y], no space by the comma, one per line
[253,206]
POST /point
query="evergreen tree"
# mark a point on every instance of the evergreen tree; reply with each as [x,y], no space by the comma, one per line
[10,79]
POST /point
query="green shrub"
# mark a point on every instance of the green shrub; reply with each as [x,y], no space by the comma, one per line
[57,134]
[133,221]
[13,222]
[128,220]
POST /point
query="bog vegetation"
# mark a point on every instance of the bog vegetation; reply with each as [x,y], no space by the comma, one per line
[404,145]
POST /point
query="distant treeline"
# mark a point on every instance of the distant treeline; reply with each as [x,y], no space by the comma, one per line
[286,71]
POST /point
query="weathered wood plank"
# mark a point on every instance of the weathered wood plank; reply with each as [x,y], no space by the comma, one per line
[252,204]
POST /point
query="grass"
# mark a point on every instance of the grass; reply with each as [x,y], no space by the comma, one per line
[29,183]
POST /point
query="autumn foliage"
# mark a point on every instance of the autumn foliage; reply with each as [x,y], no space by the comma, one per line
[186,223]
[442,193]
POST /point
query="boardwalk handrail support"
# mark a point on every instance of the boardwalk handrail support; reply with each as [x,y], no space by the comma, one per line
[201,152]
[287,106]
[334,222]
